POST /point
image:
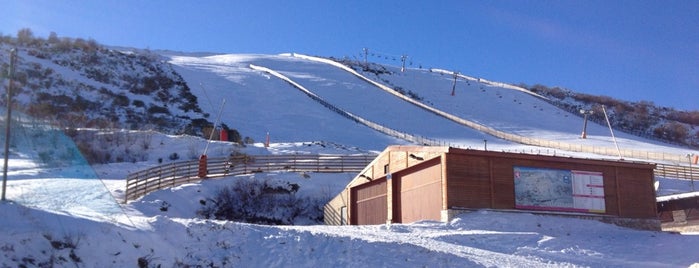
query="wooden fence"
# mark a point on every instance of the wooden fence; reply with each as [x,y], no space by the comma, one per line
[677,172]
[143,182]
[173,174]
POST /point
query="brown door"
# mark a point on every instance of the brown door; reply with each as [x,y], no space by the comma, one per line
[419,195]
[369,203]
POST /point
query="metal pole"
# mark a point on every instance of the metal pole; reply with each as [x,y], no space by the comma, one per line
[13,60]
[223,102]
[611,131]
[691,175]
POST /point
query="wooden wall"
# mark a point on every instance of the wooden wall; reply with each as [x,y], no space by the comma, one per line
[636,193]
[369,203]
[469,182]
[679,210]
[332,211]
[396,158]
[417,192]
[479,179]
[476,179]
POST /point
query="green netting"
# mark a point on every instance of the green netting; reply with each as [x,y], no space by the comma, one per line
[47,171]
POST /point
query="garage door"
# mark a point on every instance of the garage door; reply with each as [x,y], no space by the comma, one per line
[420,195]
[369,203]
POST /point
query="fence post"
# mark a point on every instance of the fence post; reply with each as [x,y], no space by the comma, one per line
[202,167]
[160,176]
[342,164]
[144,185]
[126,191]
[174,174]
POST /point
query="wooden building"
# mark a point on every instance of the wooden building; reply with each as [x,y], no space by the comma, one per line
[410,183]
[679,209]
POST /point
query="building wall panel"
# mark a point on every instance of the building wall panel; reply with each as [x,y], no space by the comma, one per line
[486,180]
[369,203]
[332,211]
[418,194]
[503,183]
[468,181]
[399,161]
[636,193]
[380,165]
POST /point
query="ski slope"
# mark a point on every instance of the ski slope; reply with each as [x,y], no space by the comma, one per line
[437,116]
[257,104]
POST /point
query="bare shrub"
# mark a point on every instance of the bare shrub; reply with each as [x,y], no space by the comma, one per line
[262,202]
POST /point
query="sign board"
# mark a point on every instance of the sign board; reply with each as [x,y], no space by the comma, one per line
[559,190]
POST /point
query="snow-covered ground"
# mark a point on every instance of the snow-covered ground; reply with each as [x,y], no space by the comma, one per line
[74,215]
[81,222]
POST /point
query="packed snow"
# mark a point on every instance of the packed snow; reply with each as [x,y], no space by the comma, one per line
[75,215]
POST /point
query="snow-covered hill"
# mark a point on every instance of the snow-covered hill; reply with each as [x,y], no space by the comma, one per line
[288,114]
[77,84]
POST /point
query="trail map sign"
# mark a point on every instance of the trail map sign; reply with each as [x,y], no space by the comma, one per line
[559,190]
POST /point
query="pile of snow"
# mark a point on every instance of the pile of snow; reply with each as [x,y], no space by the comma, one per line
[35,237]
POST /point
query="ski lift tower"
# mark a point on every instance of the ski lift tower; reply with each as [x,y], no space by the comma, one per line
[585,113]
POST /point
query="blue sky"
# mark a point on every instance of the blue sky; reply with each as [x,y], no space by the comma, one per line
[631,50]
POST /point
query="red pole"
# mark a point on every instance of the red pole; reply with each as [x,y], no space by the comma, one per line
[202,167]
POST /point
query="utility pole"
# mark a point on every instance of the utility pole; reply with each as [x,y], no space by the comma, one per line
[13,60]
